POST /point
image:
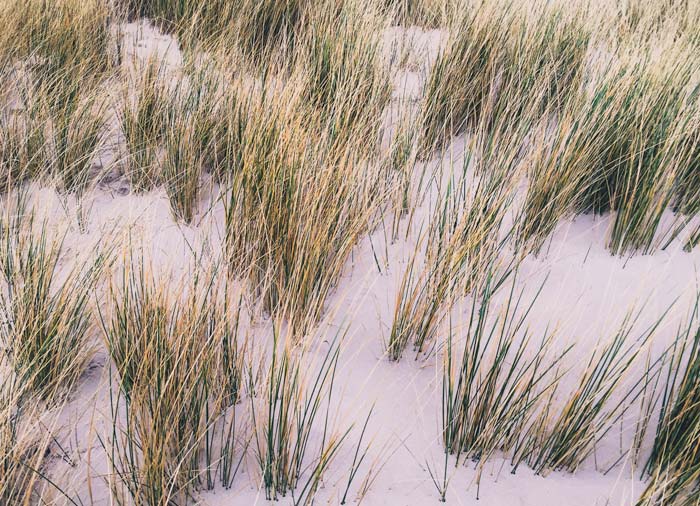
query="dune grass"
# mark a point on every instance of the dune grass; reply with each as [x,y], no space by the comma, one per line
[673,465]
[22,148]
[258,29]
[423,13]
[78,132]
[281,115]
[62,42]
[563,439]
[181,367]
[143,120]
[501,395]
[465,237]
[178,368]
[190,138]
[303,188]
[491,395]
[291,409]
[618,148]
[458,261]
[497,58]
[462,79]
[49,327]
[23,443]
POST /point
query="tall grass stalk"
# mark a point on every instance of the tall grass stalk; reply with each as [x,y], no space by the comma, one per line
[24,440]
[296,207]
[143,119]
[617,147]
[23,147]
[190,139]
[465,238]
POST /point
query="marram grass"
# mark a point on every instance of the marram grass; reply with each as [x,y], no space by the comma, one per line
[276,117]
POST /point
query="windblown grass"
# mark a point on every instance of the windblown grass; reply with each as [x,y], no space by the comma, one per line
[190,139]
[179,368]
[562,438]
[501,396]
[23,443]
[78,132]
[294,401]
[401,162]
[280,112]
[63,42]
[257,29]
[47,332]
[465,238]
[23,152]
[268,25]
[674,463]
[462,78]
[616,148]
[687,137]
[424,13]
[304,186]
[143,120]
[499,60]
[493,394]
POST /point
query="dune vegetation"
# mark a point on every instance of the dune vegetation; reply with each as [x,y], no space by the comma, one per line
[235,233]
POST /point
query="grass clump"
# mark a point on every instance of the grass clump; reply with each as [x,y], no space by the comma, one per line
[674,463]
[343,75]
[492,395]
[463,76]
[455,261]
[23,153]
[78,133]
[190,140]
[562,439]
[465,237]
[424,13]
[288,414]
[179,371]
[300,184]
[267,25]
[687,138]
[143,120]
[502,61]
[66,45]
[616,148]
[633,173]
[48,325]
[292,220]
[545,60]
[22,445]
[258,29]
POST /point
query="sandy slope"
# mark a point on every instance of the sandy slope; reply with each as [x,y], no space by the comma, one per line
[586,295]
